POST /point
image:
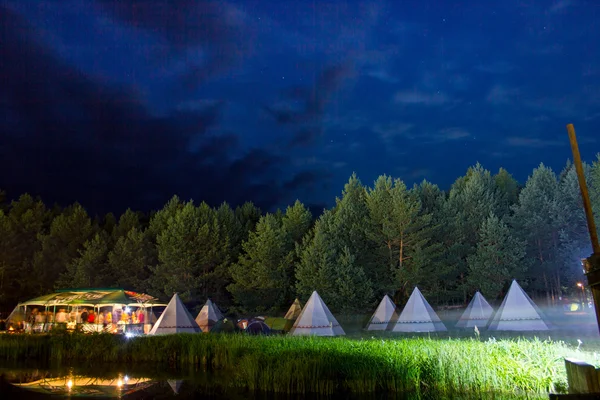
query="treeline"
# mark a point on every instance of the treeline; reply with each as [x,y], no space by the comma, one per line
[384,238]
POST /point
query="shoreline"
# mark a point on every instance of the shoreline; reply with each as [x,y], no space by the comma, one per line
[322,365]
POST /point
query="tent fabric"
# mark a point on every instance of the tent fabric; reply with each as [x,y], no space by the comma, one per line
[279,324]
[208,316]
[175,385]
[257,327]
[316,319]
[93,297]
[223,326]
[418,316]
[294,310]
[517,312]
[385,312]
[175,319]
[477,313]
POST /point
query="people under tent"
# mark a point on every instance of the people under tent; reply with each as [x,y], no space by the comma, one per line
[89,310]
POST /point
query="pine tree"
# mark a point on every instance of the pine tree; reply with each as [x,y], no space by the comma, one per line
[351,225]
[261,277]
[296,221]
[471,199]
[573,235]
[127,222]
[352,286]
[20,226]
[61,245]
[130,261]
[535,220]
[507,193]
[499,258]
[191,254]
[90,269]
[401,229]
[329,266]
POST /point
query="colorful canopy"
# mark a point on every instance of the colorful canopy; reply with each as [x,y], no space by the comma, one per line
[93,297]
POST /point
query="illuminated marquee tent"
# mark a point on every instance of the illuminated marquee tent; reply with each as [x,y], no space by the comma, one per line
[418,316]
[93,298]
[517,313]
[385,312]
[477,313]
[87,386]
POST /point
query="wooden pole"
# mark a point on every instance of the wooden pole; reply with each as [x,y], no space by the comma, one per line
[592,263]
[587,205]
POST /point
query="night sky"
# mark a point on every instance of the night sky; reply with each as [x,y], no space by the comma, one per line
[117,103]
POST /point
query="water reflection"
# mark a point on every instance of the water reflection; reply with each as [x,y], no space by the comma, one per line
[148,383]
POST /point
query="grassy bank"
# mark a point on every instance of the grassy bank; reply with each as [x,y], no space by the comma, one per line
[322,365]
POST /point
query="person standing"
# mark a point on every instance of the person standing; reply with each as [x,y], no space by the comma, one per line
[84,316]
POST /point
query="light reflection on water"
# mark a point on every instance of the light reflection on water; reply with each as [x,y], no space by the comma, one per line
[107,381]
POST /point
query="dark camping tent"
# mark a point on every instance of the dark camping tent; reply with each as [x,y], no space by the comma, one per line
[224,325]
[257,327]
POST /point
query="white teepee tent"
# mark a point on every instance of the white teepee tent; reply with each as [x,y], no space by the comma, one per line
[175,319]
[175,385]
[316,319]
[385,312]
[517,313]
[477,313]
[208,316]
[418,316]
[294,311]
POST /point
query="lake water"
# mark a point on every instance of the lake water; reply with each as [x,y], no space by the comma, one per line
[27,381]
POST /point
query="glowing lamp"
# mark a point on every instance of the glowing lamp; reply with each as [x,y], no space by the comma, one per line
[69,384]
[119,383]
[579,284]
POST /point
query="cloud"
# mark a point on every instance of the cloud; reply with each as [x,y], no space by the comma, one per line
[306,121]
[390,132]
[517,141]
[560,5]
[415,97]
[453,134]
[218,29]
[496,68]
[382,75]
[67,136]
[500,94]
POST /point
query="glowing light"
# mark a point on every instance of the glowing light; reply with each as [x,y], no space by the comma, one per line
[69,384]
[579,284]
[127,310]
[125,379]
[119,383]
[129,335]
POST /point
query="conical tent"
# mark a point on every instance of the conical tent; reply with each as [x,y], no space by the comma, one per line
[316,319]
[175,319]
[294,311]
[385,312]
[477,313]
[175,385]
[418,316]
[517,313]
[208,316]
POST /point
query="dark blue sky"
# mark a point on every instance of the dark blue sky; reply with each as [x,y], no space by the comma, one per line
[124,103]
